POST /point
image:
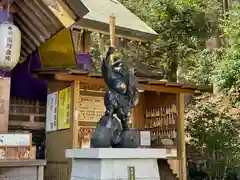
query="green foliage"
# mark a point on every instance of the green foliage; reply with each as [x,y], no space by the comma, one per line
[201,69]
[212,122]
[227,71]
[182,25]
[219,66]
[230,24]
[214,129]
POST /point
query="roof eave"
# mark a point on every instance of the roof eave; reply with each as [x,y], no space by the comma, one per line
[92,77]
[38,23]
[78,8]
[123,32]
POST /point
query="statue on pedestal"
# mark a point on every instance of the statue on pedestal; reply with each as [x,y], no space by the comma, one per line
[122,95]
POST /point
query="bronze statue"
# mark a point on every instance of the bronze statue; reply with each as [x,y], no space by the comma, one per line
[122,95]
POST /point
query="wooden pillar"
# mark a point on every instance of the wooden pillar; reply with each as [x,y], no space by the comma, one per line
[138,119]
[86,41]
[76,97]
[101,45]
[5,84]
[112,31]
[181,138]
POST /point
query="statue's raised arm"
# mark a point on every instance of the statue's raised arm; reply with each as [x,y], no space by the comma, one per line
[107,70]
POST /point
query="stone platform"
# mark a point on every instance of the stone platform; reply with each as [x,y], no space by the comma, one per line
[115,164]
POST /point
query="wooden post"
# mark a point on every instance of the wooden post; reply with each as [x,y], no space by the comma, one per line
[181,138]
[75,115]
[87,42]
[5,83]
[112,31]
[101,45]
[112,34]
[138,119]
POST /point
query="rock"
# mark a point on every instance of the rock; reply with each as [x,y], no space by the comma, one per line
[101,138]
[129,139]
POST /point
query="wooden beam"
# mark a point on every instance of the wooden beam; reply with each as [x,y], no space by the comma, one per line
[181,138]
[107,33]
[147,87]
[26,125]
[61,11]
[78,7]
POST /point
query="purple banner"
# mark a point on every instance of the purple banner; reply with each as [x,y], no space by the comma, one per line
[22,82]
[85,60]
[4,16]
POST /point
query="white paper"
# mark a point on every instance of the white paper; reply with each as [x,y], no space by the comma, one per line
[145,138]
[51,117]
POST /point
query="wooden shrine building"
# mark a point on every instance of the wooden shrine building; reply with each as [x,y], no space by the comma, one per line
[80,91]
[160,111]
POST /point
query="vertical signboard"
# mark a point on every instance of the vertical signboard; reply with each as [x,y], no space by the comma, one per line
[51,119]
[64,103]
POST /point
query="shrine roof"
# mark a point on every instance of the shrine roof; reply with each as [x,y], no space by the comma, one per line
[127,23]
[37,21]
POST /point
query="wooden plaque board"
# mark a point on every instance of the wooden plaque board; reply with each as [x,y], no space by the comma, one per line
[90,108]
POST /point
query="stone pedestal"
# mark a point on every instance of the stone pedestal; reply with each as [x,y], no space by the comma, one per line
[115,164]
